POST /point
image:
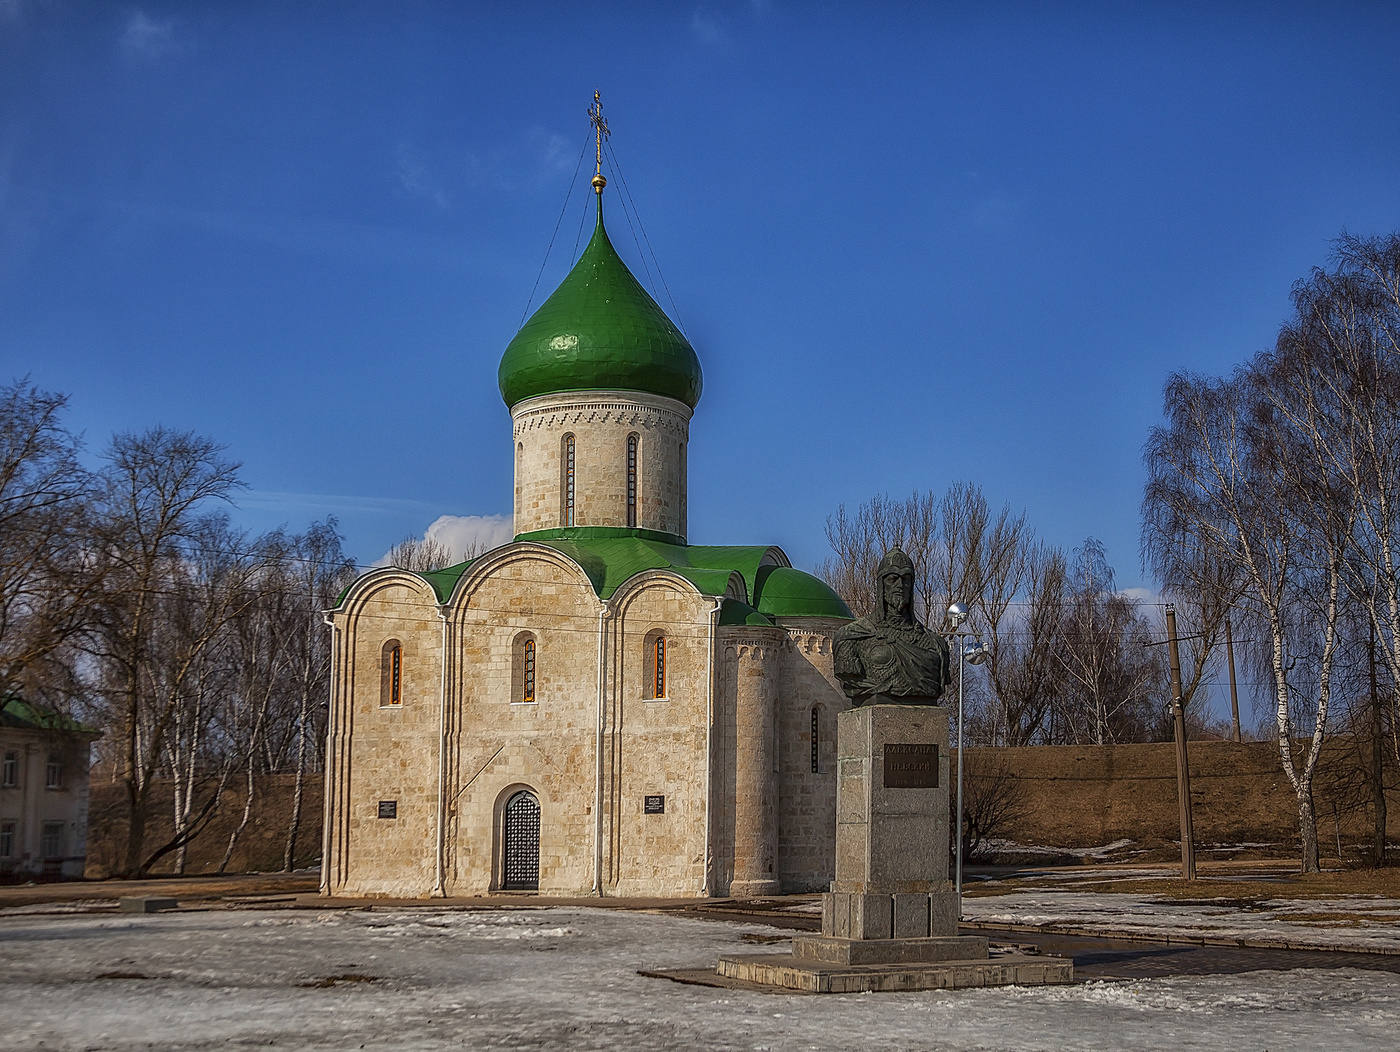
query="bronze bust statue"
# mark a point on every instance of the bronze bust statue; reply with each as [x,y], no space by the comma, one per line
[889,658]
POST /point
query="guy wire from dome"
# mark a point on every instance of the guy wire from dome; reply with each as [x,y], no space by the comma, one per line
[535,287]
[625,197]
[601,329]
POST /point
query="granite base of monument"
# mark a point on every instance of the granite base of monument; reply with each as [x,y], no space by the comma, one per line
[890,921]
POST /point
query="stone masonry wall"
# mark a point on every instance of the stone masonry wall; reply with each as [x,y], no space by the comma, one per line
[499,745]
[385,753]
[657,746]
[807,800]
[600,422]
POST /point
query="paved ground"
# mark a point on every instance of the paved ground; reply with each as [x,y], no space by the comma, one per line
[567,977]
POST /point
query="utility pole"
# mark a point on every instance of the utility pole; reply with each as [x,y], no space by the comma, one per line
[1234,694]
[1377,758]
[1183,770]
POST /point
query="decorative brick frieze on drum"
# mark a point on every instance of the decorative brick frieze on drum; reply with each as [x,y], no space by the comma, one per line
[601,422]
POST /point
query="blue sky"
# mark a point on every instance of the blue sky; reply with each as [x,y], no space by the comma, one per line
[912,243]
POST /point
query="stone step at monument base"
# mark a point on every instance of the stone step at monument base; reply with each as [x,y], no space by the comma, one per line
[884,914]
[791,973]
[820,949]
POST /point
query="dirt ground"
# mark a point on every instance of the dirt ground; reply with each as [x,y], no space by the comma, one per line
[259,848]
[1243,881]
[1243,804]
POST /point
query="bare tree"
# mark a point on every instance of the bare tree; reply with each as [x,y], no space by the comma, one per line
[994,800]
[1024,666]
[319,571]
[420,554]
[1240,462]
[46,581]
[1111,682]
[152,540]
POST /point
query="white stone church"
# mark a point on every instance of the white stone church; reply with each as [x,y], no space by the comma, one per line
[597,708]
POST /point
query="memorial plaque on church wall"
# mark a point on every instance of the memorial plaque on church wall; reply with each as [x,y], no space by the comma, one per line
[388,809]
[911,766]
[654,805]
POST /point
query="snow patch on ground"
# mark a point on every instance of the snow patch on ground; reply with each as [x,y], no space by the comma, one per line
[429,979]
[1362,921]
[70,906]
[993,846]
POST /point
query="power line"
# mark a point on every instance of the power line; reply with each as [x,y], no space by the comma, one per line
[617,166]
[567,196]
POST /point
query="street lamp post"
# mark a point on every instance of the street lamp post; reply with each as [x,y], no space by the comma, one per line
[974,653]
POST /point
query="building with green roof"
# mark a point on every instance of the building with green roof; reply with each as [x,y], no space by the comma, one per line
[598,707]
[44,761]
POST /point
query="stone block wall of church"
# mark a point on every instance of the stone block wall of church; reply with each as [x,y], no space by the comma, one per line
[386,752]
[657,747]
[600,422]
[807,799]
[498,744]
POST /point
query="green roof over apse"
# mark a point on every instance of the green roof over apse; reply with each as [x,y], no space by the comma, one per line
[785,592]
[600,330]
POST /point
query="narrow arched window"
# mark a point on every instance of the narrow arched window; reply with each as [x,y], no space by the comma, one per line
[391,674]
[524,669]
[570,480]
[816,740]
[659,660]
[632,480]
[655,659]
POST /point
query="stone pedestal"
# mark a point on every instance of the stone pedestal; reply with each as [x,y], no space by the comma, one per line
[890,920]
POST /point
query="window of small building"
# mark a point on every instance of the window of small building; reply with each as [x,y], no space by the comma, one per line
[570,481]
[391,674]
[656,670]
[53,773]
[7,840]
[524,669]
[9,773]
[632,480]
[51,840]
[816,739]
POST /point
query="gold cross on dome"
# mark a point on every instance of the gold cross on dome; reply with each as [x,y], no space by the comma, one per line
[600,127]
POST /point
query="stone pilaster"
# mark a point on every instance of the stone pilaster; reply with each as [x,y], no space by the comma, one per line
[757,666]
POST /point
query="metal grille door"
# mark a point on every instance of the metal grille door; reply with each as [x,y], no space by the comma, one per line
[522,843]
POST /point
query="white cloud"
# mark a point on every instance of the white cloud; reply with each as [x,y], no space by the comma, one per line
[415,177]
[463,533]
[148,38]
[466,536]
[1146,596]
[706,26]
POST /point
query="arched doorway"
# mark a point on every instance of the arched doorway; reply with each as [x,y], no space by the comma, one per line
[520,843]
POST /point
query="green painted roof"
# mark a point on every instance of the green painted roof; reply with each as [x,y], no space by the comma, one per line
[19,714]
[445,579]
[785,592]
[733,612]
[600,330]
[610,556]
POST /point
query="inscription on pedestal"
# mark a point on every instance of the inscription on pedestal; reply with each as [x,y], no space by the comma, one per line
[911,766]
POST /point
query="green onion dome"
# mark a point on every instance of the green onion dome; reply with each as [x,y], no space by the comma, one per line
[786,592]
[600,330]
